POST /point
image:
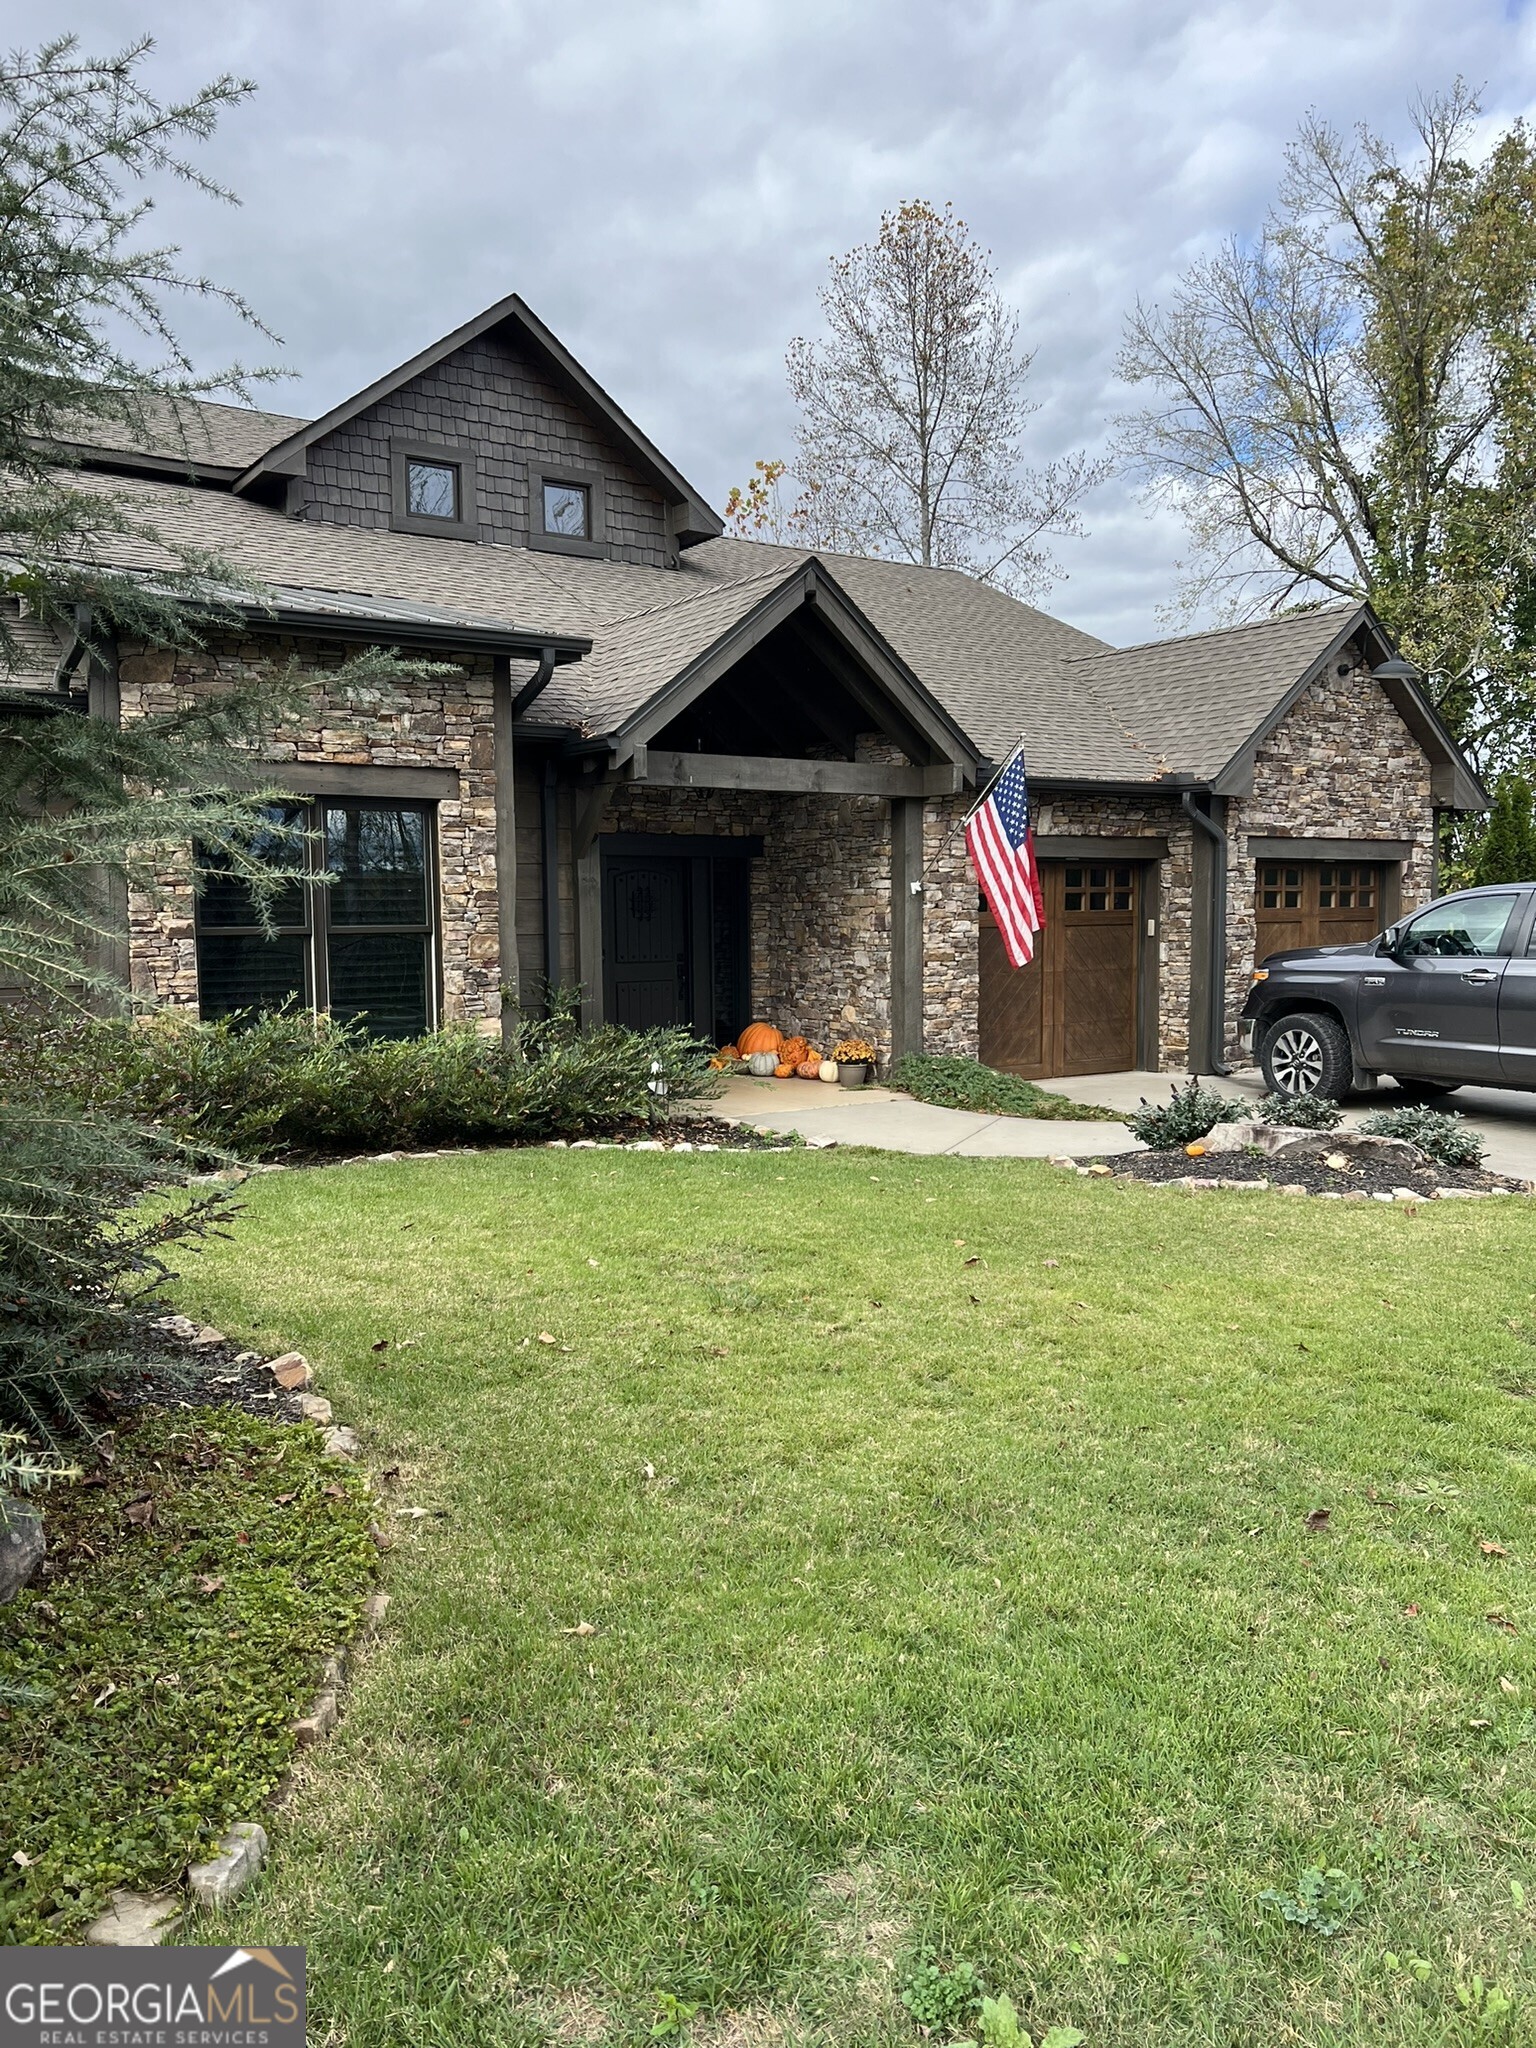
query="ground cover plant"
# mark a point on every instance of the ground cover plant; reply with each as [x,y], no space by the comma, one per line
[147,1679]
[967,1084]
[1444,1135]
[812,1568]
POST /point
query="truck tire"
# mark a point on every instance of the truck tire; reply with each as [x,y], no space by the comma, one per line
[1306,1053]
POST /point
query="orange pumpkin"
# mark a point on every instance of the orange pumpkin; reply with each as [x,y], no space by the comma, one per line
[795,1050]
[728,1052]
[809,1070]
[758,1038]
[783,1070]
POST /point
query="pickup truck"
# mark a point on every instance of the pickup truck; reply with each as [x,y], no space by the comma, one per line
[1445,996]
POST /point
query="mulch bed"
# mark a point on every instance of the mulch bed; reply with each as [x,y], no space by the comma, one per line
[1361,1179]
[688,1131]
[177,1372]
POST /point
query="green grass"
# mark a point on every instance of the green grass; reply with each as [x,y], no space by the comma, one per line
[967,1084]
[147,1683]
[944,1530]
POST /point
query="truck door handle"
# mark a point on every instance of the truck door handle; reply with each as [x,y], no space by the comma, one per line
[1478,975]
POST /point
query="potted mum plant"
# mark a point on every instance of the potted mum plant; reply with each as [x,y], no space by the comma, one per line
[855,1057]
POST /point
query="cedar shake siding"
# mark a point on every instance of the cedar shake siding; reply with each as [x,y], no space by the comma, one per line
[491,400]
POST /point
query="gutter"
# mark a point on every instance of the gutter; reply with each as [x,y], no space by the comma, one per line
[1217,1021]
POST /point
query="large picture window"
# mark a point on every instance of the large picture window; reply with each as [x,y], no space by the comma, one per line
[360,946]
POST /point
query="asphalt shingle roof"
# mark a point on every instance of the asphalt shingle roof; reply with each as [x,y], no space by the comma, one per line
[194,431]
[1195,701]
[1002,669]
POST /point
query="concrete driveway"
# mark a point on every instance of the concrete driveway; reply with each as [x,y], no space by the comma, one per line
[891,1122]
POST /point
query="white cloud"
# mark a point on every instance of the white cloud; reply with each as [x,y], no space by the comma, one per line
[664,181]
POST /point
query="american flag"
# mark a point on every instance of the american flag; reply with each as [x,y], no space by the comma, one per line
[1002,849]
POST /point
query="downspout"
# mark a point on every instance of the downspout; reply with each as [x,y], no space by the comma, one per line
[536,684]
[1217,1025]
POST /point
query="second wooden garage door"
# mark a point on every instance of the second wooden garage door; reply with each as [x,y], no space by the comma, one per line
[1316,903]
[1073,1009]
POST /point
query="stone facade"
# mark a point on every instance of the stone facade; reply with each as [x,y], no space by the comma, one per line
[493,400]
[444,722]
[1340,765]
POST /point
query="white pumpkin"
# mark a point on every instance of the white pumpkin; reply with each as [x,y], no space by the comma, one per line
[763,1062]
[827,1071]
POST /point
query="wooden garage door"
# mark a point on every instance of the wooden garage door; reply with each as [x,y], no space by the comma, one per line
[1072,1010]
[1316,903]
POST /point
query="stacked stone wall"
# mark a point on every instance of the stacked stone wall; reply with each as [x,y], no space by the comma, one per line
[439,723]
[1340,765]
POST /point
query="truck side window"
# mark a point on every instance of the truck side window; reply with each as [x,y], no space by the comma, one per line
[1472,928]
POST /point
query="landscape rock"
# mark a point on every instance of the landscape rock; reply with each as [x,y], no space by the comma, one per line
[177,1326]
[241,1853]
[315,1408]
[135,1920]
[314,1726]
[1334,1148]
[1249,1136]
[292,1371]
[208,1338]
[375,1607]
[22,1545]
[342,1442]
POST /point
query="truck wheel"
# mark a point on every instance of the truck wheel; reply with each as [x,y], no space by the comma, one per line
[1306,1054]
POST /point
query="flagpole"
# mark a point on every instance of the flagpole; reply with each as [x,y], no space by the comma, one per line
[997,778]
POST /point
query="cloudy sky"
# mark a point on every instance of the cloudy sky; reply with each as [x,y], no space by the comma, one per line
[664,181]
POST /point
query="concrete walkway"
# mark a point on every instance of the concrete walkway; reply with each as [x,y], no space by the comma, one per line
[895,1123]
[890,1122]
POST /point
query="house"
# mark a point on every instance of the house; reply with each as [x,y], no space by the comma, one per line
[707,778]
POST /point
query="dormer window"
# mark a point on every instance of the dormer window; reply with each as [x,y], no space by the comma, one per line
[433,489]
[566,512]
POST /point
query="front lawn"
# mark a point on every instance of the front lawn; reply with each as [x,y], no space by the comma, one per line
[831,1556]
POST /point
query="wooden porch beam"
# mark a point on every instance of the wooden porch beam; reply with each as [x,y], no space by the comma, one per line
[793,777]
[906,927]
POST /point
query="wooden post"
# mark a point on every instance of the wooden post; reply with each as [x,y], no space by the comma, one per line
[589,932]
[506,842]
[104,700]
[906,926]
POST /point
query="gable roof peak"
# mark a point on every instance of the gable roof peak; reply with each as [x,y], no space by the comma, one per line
[693,520]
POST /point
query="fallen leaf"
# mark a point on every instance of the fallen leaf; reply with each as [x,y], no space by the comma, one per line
[1508,1685]
[973,1260]
[1050,1262]
[1492,1549]
[1411,1609]
[546,1338]
[959,1241]
[1502,1621]
[140,1512]
[1319,1519]
[106,1693]
[283,1499]
[582,1628]
[334,1492]
[591,1262]
[208,1585]
[648,1471]
[20,1856]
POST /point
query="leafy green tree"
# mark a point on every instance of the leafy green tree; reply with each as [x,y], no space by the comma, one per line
[1345,406]
[1507,850]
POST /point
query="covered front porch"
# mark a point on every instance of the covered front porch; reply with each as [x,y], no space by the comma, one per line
[775,833]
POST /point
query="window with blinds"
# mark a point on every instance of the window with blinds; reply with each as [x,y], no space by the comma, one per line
[361,944]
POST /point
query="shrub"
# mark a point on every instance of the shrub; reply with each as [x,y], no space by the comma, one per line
[1301,1112]
[1191,1112]
[290,1082]
[967,1084]
[82,1248]
[1444,1136]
